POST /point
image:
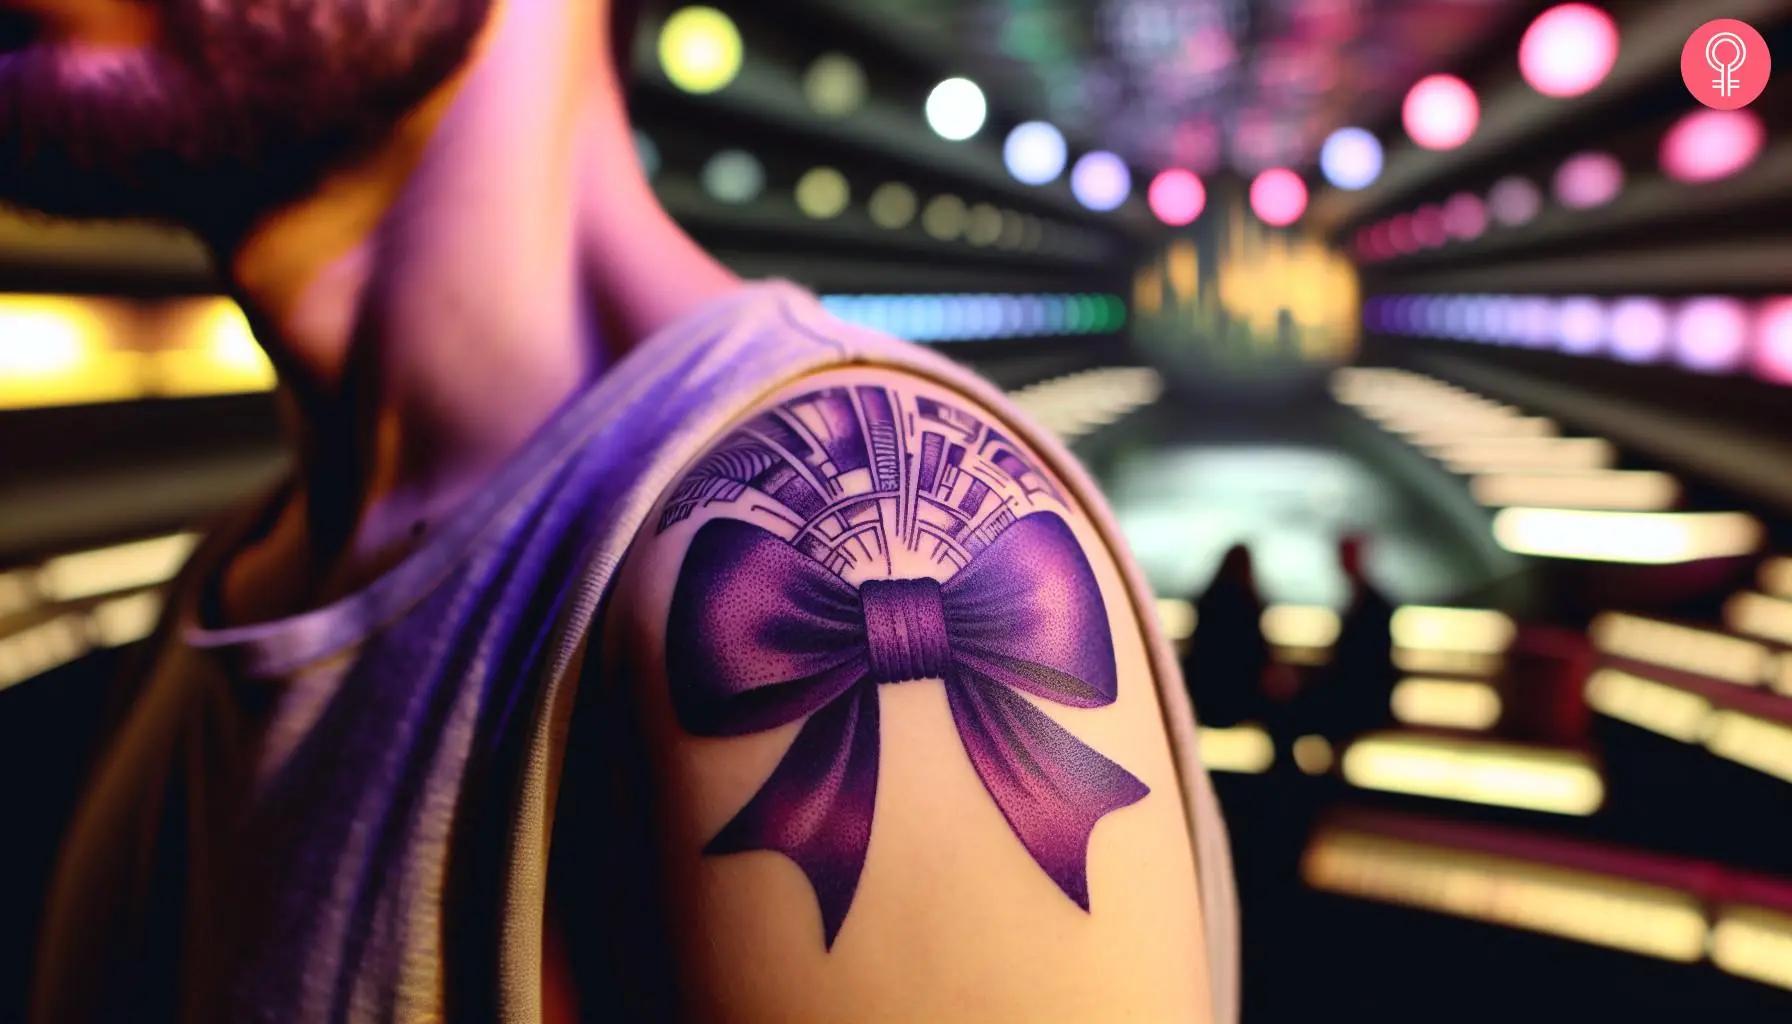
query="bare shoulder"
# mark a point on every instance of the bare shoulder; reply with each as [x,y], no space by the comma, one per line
[909,749]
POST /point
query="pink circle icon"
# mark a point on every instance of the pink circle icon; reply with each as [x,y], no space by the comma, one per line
[1725,64]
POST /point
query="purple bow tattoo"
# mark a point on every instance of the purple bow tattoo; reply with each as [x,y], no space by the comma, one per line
[762,635]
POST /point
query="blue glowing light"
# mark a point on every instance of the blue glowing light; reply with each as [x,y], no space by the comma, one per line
[1034,152]
[1350,159]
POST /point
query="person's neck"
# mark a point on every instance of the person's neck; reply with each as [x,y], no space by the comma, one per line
[430,308]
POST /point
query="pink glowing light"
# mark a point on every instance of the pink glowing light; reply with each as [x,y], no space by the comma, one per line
[1176,196]
[1465,216]
[1401,236]
[1639,329]
[1711,334]
[1278,197]
[1513,201]
[1370,245]
[1708,145]
[1429,227]
[1588,180]
[1568,50]
[1440,112]
[1773,341]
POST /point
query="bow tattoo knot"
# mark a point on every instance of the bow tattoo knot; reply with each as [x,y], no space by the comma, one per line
[762,635]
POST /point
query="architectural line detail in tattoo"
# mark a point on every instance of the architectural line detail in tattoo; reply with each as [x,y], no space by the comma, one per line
[766,630]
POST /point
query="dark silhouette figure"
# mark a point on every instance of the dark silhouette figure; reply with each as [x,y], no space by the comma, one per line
[1227,655]
[1356,690]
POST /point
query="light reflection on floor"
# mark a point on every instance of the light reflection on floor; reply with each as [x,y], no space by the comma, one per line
[1181,506]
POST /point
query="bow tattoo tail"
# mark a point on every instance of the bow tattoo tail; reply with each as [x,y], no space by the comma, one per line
[816,807]
[1050,785]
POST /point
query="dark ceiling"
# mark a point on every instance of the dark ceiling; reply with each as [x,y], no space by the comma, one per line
[1197,83]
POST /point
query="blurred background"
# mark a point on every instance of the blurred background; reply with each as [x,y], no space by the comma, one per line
[1434,355]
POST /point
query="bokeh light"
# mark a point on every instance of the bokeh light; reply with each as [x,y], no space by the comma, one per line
[700,49]
[964,317]
[944,217]
[1568,50]
[834,85]
[1350,159]
[1711,334]
[1429,226]
[1034,153]
[1773,341]
[956,109]
[1176,196]
[1100,180]
[1581,325]
[1465,216]
[1278,197]
[1708,145]
[1401,235]
[1014,229]
[983,225]
[1589,179]
[733,176]
[1514,201]
[822,193]
[1536,321]
[1639,329]
[1440,112]
[892,205]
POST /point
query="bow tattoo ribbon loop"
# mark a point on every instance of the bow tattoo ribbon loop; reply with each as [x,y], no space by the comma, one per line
[762,635]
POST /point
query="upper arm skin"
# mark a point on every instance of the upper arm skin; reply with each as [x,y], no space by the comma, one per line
[953,916]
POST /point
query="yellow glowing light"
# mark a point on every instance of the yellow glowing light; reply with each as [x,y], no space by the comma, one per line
[1776,576]
[1731,659]
[215,354]
[18,591]
[1493,455]
[1646,538]
[63,350]
[1477,630]
[1300,626]
[1446,703]
[1647,704]
[985,225]
[1182,269]
[1756,742]
[892,205]
[125,620]
[834,85]
[822,193]
[700,49]
[1313,755]
[1750,942]
[1454,430]
[1580,905]
[944,217]
[1449,663]
[1245,749]
[42,647]
[1621,490]
[1014,228]
[110,570]
[1769,618]
[1177,617]
[1476,771]
[1779,674]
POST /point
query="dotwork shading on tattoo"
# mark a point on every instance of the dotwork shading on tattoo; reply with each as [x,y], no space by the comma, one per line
[767,628]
